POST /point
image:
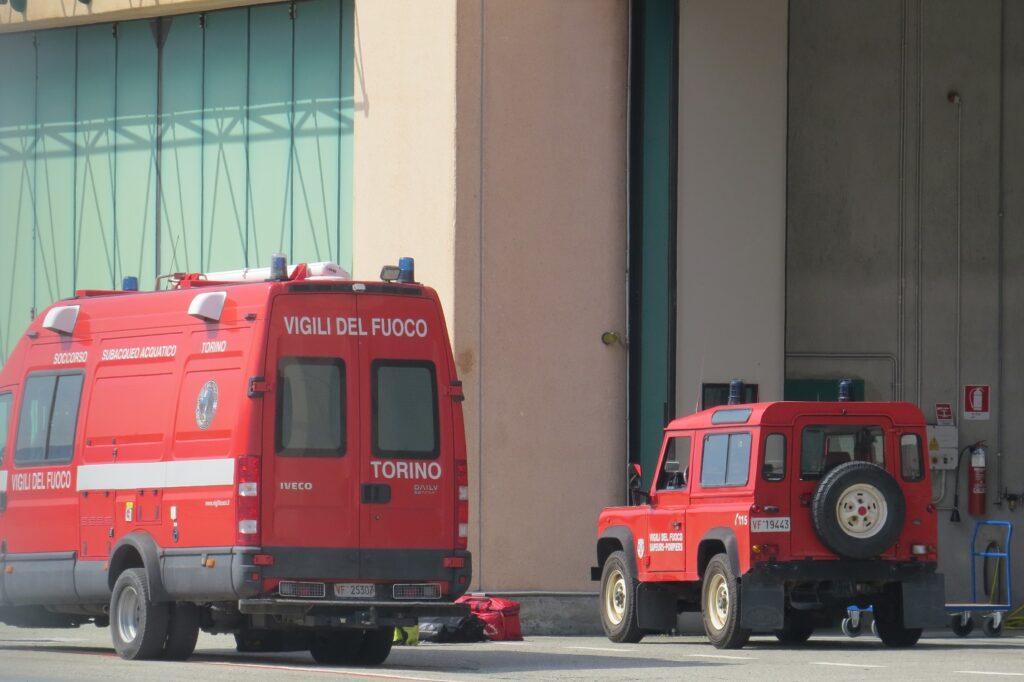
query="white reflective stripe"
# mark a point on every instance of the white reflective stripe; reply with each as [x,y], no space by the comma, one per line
[175,474]
[3,481]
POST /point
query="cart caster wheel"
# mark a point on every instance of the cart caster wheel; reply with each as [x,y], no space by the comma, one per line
[874,629]
[962,627]
[851,630]
[990,628]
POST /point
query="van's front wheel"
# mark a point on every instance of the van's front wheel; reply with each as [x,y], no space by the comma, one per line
[138,625]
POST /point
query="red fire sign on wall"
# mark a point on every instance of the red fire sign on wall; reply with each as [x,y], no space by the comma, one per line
[976,402]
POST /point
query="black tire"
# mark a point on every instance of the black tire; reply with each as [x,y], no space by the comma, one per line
[376,646]
[182,631]
[858,510]
[618,600]
[797,628]
[138,625]
[252,640]
[888,622]
[960,627]
[720,605]
[990,628]
[336,647]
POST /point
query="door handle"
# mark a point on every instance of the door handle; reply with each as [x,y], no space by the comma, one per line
[676,525]
[376,493]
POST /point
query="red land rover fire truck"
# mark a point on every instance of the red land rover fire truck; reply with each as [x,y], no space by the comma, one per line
[279,456]
[776,518]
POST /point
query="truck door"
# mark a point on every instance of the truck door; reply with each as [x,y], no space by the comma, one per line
[666,540]
[821,443]
[407,478]
[310,464]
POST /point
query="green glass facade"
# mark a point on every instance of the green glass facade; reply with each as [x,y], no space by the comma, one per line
[188,143]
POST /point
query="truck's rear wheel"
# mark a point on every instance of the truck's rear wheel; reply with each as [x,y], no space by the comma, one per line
[720,601]
[889,620]
[138,625]
[618,600]
[797,628]
[182,631]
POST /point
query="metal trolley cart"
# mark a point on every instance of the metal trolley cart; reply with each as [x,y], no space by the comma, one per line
[961,618]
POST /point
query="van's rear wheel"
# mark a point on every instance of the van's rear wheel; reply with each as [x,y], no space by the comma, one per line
[336,647]
[618,600]
[138,625]
[720,601]
[182,631]
[376,646]
[797,628]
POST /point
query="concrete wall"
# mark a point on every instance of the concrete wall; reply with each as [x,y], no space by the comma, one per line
[540,274]
[732,196]
[404,140]
[900,268]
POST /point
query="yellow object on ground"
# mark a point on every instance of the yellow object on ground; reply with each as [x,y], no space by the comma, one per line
[407,636]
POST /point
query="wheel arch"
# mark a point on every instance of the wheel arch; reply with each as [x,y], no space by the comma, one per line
[137,550]
[718,541]
[613,539]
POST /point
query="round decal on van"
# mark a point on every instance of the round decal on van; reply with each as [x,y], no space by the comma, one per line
[206,404]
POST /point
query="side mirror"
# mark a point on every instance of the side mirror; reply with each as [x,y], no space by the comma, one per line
[635,481]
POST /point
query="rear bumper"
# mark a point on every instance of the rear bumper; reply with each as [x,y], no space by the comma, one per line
[333,613]
[768,590]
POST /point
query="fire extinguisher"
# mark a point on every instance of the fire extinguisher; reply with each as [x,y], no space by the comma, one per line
[976,480]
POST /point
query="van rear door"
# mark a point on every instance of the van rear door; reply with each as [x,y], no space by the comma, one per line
[408,477]
[311,453]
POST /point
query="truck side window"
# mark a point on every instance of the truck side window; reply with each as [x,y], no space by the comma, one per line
[311,407]
[774,468]
[726,460]
[49,417]
[405,418]
[5,415]
[911,459]
[678,451]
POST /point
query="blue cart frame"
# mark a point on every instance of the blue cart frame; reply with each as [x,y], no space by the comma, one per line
[961,619]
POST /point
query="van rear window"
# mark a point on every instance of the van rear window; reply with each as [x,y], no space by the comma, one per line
[49,417]
[405,409]
[311,407]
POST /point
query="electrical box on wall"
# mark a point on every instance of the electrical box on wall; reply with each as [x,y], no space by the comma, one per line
[942,446]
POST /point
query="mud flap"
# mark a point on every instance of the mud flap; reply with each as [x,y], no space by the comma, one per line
[924,601]
[762,604]
[655,609]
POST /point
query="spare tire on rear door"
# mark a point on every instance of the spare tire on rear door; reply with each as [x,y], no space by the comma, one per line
[858,510]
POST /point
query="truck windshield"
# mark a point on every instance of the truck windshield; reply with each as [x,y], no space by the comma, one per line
[824,446]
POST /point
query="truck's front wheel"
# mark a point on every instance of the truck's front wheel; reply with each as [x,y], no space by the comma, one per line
[618,600]
[720,599]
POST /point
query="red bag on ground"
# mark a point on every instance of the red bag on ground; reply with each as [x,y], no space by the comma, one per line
[500,616]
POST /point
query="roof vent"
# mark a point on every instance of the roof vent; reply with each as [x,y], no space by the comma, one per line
[61,319]
[208,306]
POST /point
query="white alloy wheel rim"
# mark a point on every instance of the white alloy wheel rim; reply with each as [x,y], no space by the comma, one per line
[615,597]
[718,602]
[861,511]
[128,614]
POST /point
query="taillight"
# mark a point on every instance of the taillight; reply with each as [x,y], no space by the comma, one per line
[247,509]
[462,504]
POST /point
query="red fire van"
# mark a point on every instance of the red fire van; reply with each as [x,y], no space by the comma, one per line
[279,456]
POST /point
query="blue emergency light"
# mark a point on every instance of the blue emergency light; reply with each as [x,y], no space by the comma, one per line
[130,283]
[279,267]
[406,270]
[844,390]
